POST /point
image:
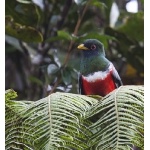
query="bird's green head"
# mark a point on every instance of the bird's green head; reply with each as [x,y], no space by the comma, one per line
[92,47]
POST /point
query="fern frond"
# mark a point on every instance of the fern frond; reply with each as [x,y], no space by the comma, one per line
[64,121]
[121,118]
[54,122]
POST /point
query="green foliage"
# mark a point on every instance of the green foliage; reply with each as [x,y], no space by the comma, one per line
[134,21]
[41,41]
[23,13]
[72,121]
[20,31]
[54,122]
[121,119]
[10,94]
[61,35]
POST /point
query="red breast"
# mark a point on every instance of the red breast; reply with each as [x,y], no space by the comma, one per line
[99,86]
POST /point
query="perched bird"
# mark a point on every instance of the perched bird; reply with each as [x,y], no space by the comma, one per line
[98,75]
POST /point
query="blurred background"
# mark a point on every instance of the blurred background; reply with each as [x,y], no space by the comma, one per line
[42,36]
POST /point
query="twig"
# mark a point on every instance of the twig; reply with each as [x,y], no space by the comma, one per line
[75,32]
[71,43]
[55,85]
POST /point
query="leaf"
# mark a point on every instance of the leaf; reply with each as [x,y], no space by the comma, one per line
[135,21]
[64,34]
[10,94]
[13,41]
[61,35]
[24,33]
[24,1]
[121,119]
[23,13]
[35,80]
[74,74]
[53,122]
[64,121]
[52,69]
[98,4]
[66,76]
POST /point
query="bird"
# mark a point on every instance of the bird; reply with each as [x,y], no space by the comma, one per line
[97,76]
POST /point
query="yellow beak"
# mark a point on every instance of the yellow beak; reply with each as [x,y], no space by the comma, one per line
[82,47]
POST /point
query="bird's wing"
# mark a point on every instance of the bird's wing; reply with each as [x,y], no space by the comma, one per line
[80,84]
[116,77]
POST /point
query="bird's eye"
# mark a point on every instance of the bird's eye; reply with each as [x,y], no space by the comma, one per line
[93,47]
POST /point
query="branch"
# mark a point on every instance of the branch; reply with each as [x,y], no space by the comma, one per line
[55,85]
[71,43]
[76,32]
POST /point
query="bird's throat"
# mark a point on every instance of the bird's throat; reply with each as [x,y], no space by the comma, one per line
[93,64]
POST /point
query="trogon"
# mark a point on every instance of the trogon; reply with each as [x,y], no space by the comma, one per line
[98,75]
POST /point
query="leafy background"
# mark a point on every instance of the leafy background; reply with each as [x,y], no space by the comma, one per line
[41,39]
